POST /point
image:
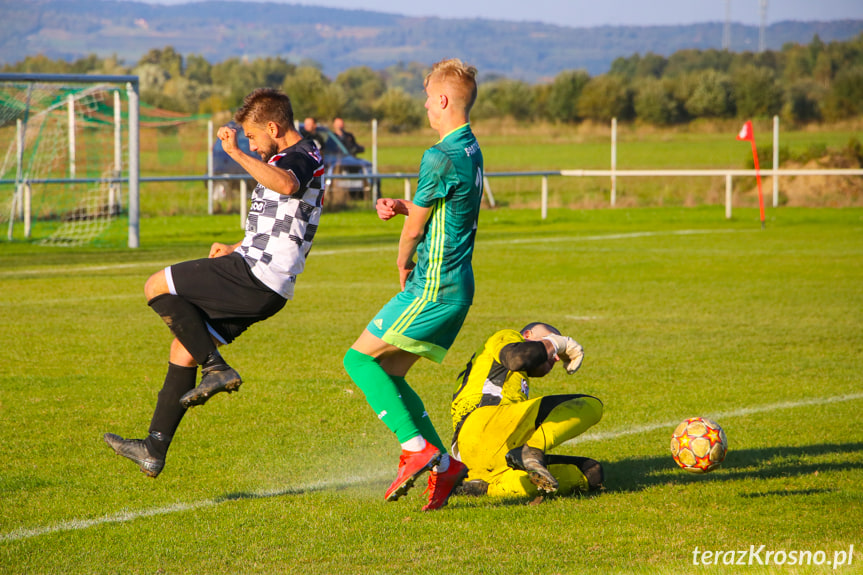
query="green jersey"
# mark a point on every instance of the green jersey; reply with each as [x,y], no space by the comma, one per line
[450,183]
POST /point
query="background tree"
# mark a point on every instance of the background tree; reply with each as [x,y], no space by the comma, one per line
[409,77]
[845,98]
[798,63]
[651,66]
[504,97]
[802,102]
[271,72]
[711,95]
[605,97]
[167,59]
[198,69]
[398,111]
[756,92]
[625,66]
[562,103]
[151,80]
[38,64]
[232,80]
[330,102]
[306,87]
[362,87]
[822,70]
[686,61]
[182,95]
[654,102]
[805,83]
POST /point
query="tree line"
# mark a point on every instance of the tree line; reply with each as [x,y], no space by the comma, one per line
[802,83]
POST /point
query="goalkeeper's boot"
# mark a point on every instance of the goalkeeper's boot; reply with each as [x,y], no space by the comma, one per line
[216,376]
[442,484]
[136,450]
[472,488]
[412,464]
[532,460]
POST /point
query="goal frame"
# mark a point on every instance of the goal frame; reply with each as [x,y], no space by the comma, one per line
[132,179]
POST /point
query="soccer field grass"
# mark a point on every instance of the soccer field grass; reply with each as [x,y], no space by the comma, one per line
[681,313]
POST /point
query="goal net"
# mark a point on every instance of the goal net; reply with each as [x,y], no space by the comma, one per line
[60,169]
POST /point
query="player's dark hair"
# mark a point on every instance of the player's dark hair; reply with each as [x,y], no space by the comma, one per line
[267,105]
[533,324]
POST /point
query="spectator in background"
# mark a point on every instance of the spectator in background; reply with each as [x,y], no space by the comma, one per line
[346,137]
[309,131]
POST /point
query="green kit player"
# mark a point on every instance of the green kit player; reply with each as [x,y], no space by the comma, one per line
[437,291]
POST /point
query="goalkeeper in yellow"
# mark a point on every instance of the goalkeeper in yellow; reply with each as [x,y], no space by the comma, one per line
[503,436]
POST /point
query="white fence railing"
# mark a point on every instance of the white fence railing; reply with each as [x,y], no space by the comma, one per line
[728,174]
[134,180]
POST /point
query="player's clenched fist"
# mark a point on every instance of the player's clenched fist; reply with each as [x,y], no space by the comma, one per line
[218,249]
[386,208]
[228,136]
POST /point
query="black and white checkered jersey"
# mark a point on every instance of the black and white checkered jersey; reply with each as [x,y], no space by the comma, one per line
[280,228]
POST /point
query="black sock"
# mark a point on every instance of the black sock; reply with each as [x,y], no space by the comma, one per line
[169,412]
[187,324]
[591,468]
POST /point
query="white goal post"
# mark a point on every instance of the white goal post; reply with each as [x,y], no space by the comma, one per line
[18,105]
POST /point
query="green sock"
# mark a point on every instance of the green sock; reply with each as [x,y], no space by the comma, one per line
[418,412]
[382,394]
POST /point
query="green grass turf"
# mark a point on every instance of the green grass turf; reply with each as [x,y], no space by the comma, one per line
[680,311]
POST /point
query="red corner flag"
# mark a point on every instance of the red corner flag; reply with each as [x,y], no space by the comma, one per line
[746,133]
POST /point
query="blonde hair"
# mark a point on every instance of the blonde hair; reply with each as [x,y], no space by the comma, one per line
[458,77]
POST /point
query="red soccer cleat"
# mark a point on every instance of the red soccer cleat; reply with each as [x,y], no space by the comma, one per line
[412,464]
[441,485]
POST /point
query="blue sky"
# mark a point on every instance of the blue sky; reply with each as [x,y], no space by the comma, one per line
[603,12]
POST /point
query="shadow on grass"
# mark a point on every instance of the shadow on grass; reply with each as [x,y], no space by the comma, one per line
[640,473]
[636,474]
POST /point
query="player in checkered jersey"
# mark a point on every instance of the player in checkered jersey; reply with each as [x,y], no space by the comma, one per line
[209,302]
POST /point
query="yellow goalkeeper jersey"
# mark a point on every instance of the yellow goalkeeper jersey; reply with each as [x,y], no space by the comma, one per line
[485,381]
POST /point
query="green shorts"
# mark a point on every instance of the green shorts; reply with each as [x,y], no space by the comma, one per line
[419,326]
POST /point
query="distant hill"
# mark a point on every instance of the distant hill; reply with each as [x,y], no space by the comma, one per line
[340,39]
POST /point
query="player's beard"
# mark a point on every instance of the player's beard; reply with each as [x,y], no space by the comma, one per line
[271,150]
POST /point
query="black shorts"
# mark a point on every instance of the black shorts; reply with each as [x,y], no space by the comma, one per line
[230,297]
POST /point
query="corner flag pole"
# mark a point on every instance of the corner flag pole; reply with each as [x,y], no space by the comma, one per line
[747,133]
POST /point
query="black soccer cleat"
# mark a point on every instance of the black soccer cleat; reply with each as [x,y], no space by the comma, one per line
[136,450]
[472,488]
[217,376]
[532,460]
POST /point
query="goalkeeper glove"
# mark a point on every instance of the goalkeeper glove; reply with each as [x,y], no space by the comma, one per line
[568,350]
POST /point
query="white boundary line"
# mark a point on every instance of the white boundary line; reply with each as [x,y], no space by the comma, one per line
[125,516]
[372,249]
